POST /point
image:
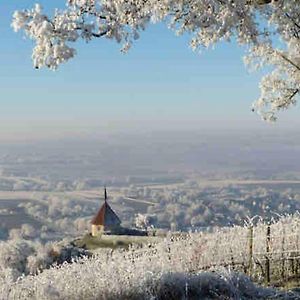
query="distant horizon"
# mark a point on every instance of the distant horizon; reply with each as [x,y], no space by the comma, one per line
[34,134]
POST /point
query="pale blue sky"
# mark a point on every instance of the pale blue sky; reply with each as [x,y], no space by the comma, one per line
[160,83]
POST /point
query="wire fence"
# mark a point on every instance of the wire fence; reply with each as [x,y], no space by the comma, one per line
[265,256]
[266,253]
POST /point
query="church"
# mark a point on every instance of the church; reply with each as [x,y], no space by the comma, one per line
[107,222]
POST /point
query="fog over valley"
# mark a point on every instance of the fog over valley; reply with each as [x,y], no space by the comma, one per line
[187,180]
[253,154]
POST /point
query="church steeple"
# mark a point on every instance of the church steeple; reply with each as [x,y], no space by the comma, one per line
[105,194]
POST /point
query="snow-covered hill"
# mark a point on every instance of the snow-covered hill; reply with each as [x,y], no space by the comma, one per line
[181,268]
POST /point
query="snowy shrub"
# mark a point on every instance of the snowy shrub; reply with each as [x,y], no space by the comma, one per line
[177,267]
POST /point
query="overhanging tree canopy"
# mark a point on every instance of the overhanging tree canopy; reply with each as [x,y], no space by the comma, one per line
[270,29]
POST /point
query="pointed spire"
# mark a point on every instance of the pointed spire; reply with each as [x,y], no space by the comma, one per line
[105,194]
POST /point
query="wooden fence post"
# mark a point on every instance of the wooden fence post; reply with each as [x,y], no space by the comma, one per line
[250,243]
[282,255]
[268,241]
[232,260]
[297,248]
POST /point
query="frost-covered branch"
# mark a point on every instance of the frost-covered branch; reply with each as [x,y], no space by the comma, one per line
[270,29]
[117,20]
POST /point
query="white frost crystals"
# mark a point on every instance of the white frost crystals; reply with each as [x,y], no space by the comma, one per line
[270,29]
[50,36]
[117,20]
[169,269]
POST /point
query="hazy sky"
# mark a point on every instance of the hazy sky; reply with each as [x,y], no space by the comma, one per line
[159,84]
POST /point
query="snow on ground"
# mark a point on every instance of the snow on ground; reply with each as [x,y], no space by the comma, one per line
[170,269]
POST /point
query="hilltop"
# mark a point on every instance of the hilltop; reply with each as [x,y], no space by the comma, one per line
[207,265]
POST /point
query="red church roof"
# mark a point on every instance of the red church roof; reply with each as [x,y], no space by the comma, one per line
[106,216]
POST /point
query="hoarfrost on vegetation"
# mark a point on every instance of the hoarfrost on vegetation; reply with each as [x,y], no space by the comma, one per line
[171,269]
[270,29]
[201,208]
[174,208]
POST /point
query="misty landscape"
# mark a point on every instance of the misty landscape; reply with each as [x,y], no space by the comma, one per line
[140,159]
[168,183]
[187,181]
